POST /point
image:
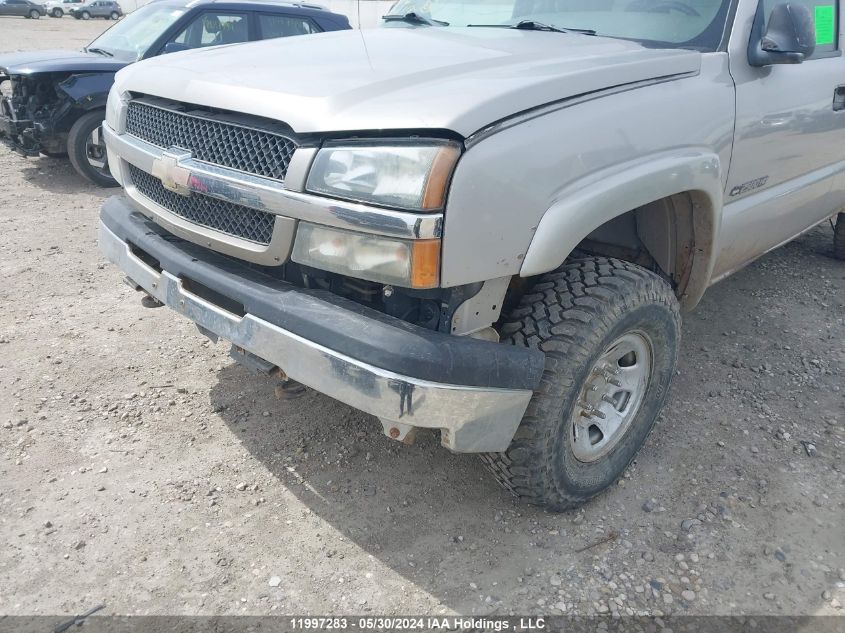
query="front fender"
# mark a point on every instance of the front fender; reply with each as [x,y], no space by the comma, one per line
[524,195]
[89,91]
[586,205]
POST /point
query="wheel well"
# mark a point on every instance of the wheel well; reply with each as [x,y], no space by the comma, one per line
[671,236]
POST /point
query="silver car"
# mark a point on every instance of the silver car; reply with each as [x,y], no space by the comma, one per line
[486,218]
[107,9]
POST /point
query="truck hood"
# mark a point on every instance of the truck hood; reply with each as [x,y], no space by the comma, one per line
[30,63]
[459,79]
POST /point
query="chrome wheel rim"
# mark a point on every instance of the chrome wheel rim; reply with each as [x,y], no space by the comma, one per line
[611,397]
[95,151]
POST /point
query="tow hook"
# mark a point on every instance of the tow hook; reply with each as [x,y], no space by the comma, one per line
[287,389]
[148,301]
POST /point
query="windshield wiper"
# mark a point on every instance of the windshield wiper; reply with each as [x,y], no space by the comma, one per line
[100,51]
[532,25]
[413,18]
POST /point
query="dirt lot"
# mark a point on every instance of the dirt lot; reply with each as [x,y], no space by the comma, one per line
[142,468]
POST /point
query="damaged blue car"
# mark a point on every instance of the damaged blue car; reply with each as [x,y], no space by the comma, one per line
[53,102]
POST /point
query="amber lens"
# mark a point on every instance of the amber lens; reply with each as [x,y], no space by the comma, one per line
[434,196]
[425,264]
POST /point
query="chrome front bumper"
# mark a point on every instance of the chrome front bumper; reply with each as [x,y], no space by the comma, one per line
[471,419]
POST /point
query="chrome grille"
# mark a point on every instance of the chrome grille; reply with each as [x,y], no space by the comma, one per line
[243,148]
[232,219]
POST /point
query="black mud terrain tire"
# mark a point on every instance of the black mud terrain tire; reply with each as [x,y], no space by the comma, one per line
[839,237]
[79,147]
[576,315]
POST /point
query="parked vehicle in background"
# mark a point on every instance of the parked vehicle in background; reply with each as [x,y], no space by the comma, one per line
[562,177]
[57,8]
[107,9]
[56,99]
[22,8]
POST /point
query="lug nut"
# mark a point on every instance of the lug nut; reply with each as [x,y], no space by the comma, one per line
[609,379]
[588,411]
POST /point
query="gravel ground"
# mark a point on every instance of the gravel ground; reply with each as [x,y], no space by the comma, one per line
[140,467]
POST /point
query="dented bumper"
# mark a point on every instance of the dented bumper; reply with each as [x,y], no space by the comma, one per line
[475,392]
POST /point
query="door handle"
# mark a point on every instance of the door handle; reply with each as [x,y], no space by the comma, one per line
[839,99]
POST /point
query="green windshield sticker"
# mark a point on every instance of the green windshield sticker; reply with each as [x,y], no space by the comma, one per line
[825,23]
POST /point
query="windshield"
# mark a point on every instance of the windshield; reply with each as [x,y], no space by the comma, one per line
[130,38]
[698,24]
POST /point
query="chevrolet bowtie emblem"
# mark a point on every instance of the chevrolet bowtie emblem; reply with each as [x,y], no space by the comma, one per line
[172,175]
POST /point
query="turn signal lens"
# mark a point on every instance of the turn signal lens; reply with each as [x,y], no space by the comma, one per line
[434,195]
[425,264]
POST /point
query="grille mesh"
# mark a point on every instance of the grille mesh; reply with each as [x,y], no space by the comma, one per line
[253,151]
[232,219]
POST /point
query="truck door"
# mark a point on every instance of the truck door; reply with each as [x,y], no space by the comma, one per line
[789,147]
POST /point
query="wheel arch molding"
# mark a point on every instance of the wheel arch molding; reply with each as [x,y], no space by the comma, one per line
[691,178]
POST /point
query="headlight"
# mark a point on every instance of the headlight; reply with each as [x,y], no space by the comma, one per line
[405,263]
[113,109]
[411,177]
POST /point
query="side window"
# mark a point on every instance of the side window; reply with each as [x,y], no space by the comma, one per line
[213,29]
[274,25]
[826,15]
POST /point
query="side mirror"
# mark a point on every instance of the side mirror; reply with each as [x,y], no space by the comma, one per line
[175,47]
[789,37]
